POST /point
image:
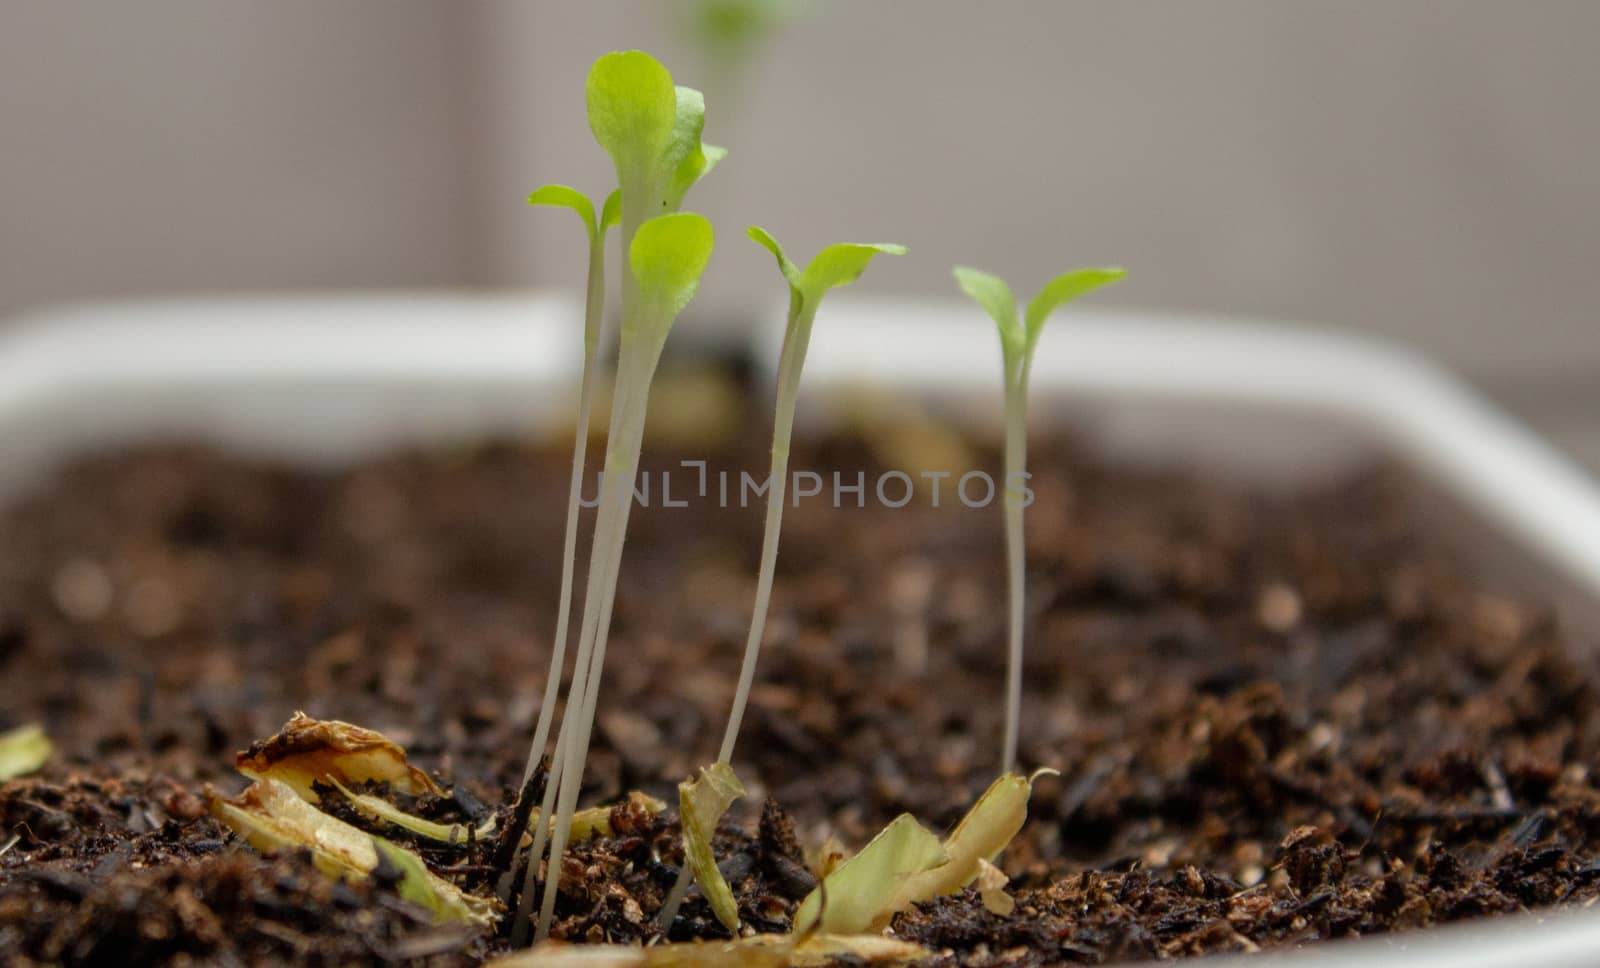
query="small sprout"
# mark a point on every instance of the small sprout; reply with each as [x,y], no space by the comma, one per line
[271,816]
[862,891]
[309,751]
[378,808]
[1018,338]
[23,750]
[701,804]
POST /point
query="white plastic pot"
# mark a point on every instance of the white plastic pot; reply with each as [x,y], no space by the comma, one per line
[327,380]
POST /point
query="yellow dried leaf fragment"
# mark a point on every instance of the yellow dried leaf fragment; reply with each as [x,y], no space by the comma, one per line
[861,891]
[701,804]
[992,883]
[980,836]
[271,816]
[756,951]
[308,751]
[23,750]
[905,864]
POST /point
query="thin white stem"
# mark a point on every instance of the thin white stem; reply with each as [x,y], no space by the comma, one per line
[622,462]
[789,364]
[541,831]
[1016,461]
[593,312]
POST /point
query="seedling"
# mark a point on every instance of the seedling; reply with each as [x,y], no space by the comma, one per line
[651,129]
[1018,338]
[23,750]
[837,265]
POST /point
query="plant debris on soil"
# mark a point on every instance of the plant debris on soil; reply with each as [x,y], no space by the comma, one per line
[1278,718]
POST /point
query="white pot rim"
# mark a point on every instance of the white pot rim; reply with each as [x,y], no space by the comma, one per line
[328,378]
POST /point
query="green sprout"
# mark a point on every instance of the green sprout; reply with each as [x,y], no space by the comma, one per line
[651,129]
[1018,338]
[594,307]
[837,265]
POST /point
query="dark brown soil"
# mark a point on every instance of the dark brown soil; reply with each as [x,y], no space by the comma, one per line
[1276,719]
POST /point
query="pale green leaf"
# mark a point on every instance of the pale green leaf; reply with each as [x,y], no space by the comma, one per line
[861,891]
[1063,289]
[633,111]
[611,213]
[701,804]
[686,160]
[667,256]
[23,750]
[841,264]
[992,293]
[764,238]
[569,197]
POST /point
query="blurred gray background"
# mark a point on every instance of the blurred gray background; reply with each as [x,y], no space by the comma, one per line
[1425,170]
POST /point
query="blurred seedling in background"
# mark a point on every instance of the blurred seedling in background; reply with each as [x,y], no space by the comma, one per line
[594,308]
[1019,336]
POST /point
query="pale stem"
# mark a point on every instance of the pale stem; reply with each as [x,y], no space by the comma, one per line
[789,364]
[604,525]
[593,312]
[1016,461]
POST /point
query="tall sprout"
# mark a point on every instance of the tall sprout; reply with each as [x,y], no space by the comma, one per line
[651,129]
[1018,338]
[837,265]
[594,309]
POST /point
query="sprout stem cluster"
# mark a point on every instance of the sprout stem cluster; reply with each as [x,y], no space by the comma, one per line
[651,129]
[1018,339]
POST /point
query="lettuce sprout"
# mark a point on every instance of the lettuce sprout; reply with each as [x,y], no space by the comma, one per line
[1018,338]
[837,265]
[651,129]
